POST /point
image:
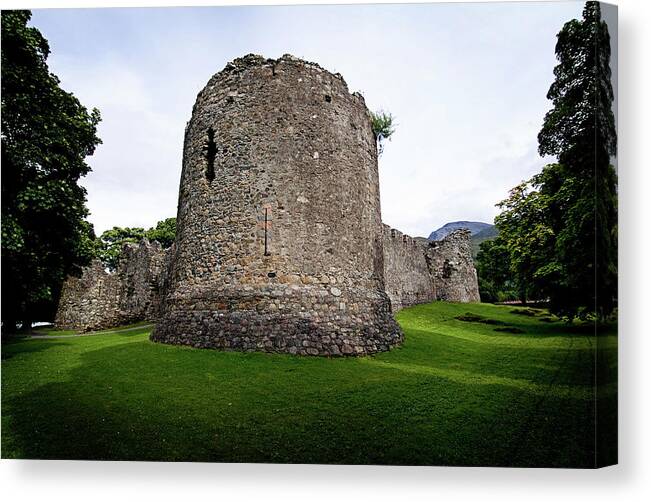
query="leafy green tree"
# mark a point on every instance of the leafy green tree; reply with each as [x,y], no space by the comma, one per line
[109,245]
[496,281]
[580,131]
[111,242]
[164,232]
[560,227]
[46,136]
[527,236]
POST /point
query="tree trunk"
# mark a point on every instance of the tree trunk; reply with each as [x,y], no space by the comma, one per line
[9,326]
[26,326]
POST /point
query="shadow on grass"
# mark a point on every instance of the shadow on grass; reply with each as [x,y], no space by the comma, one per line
[21,346]
[145,401]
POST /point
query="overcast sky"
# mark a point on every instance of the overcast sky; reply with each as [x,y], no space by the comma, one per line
[466,82]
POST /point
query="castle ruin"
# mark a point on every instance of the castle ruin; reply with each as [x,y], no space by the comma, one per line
[279,236]
[100,299]
[420,271]
[280,245]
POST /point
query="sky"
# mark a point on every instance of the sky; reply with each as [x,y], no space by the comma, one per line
[467,84]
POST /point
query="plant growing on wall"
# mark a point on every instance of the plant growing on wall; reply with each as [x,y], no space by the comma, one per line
[383,127]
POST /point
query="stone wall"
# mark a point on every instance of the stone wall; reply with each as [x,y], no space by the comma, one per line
[141,272]
[407,278]
[450,263]
[279,236]
[420,271]
[279,245]
[90,301]
[99,299]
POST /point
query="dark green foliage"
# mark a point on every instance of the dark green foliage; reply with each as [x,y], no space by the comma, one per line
[164,232]
[560,227]
[496,281]
[580,132]
[110,243]
[46,136]
[455,393]
[580,129]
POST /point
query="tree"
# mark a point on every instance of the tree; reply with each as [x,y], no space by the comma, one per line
[496,281]
[560,227]
[528,238]
[164,232]
[109,245]
[111,241]
[46,136]
[580,131]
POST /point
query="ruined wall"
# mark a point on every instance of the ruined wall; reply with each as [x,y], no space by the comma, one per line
[140,270]
[407,277]
[451,266]
[100,299]
[279,237]
[420,271]
[91,301]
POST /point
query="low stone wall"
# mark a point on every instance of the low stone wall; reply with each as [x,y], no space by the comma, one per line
[406,275]
[141,273]
[415,271]
[99,299]
[91,301]
[420,271]
[450,264]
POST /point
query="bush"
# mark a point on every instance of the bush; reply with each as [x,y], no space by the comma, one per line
[383,126]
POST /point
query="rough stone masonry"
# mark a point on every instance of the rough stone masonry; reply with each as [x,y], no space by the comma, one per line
[420,271]
[280,245]
[99,299]
[279,235]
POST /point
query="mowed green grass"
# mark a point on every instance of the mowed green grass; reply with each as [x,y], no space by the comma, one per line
[455,393]
[51,331]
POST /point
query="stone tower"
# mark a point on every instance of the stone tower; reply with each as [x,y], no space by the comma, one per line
[279,236]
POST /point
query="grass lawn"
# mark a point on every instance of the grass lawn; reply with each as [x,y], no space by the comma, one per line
[456,393]
[52,331]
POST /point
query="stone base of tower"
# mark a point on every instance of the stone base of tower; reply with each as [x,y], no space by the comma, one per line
[306,321]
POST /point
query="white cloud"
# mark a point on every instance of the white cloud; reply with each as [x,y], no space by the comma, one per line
[467,83]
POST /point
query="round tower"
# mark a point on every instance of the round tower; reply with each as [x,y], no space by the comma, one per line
[279,236]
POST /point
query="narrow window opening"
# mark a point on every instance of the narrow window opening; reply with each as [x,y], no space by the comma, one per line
[211,153]
[266,231]
[271,274]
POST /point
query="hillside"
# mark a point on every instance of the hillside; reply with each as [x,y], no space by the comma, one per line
[475,227]
[479,232]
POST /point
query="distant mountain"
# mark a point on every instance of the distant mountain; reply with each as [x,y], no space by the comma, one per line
[479,232]
[475,228]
